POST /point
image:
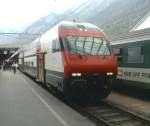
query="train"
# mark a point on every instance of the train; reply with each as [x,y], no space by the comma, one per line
[133,54]
[72,57]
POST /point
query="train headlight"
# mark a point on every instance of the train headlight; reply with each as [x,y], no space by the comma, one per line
[76,74]
[110,73]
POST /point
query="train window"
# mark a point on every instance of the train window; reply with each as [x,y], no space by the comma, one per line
[103,48]
[142,50]
[53,46]
[119,53]
[56,46]
[96,44]
[135,54]
[79,43]
[71,45]
[119,59]
[87,45]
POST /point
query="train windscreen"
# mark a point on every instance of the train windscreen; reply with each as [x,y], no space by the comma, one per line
[86,45]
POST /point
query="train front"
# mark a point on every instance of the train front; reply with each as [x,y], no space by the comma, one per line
[89,63]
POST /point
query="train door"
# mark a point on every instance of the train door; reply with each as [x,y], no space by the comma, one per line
[41,67]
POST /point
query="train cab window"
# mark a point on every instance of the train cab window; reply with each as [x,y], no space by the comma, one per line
[79,44]
[87,45]
[119,53]
[103,47]
[136,54]
[55,46]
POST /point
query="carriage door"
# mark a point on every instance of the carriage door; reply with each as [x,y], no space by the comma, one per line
[41,66]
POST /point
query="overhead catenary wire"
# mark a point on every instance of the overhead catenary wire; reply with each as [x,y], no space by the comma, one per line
[17,33]
[8,34]
[18,37]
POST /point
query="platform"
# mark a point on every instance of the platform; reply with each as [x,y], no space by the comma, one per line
[130,103]
[24,103]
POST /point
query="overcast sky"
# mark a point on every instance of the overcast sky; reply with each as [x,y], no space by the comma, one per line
[19,13]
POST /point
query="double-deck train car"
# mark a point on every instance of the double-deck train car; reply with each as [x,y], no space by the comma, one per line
[69,56]
[133,54]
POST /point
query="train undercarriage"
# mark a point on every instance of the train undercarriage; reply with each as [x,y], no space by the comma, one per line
[93,88]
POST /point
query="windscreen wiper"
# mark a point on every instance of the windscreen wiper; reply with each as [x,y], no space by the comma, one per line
[84,44]
[104,52]
[99,47]
[76,43]
[92,46]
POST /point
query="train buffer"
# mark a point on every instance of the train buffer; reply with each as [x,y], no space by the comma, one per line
[24,103]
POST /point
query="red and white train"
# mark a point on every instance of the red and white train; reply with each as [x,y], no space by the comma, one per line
[69,56]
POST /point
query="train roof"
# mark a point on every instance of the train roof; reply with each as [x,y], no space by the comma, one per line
[134,36]
[53,32]
[77,25]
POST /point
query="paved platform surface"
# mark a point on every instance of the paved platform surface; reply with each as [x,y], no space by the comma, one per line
[136,105]
[24,103]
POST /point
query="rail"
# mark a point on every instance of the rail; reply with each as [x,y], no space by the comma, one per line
[111,115]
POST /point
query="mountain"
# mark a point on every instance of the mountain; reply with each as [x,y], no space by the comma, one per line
[43,24]
[83,12]
[114,16]
[47,22]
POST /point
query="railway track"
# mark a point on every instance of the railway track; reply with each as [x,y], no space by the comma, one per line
[106,114]
[110,115]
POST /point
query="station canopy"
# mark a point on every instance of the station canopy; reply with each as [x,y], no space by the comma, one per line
[145,24]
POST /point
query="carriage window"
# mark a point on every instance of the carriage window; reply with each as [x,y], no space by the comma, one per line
[56,46]
[53,46]
[119,53]
[135,54]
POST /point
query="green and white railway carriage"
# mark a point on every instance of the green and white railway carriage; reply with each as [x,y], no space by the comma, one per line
[133,55]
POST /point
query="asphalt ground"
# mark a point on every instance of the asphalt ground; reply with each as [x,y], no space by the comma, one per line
[24,103]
